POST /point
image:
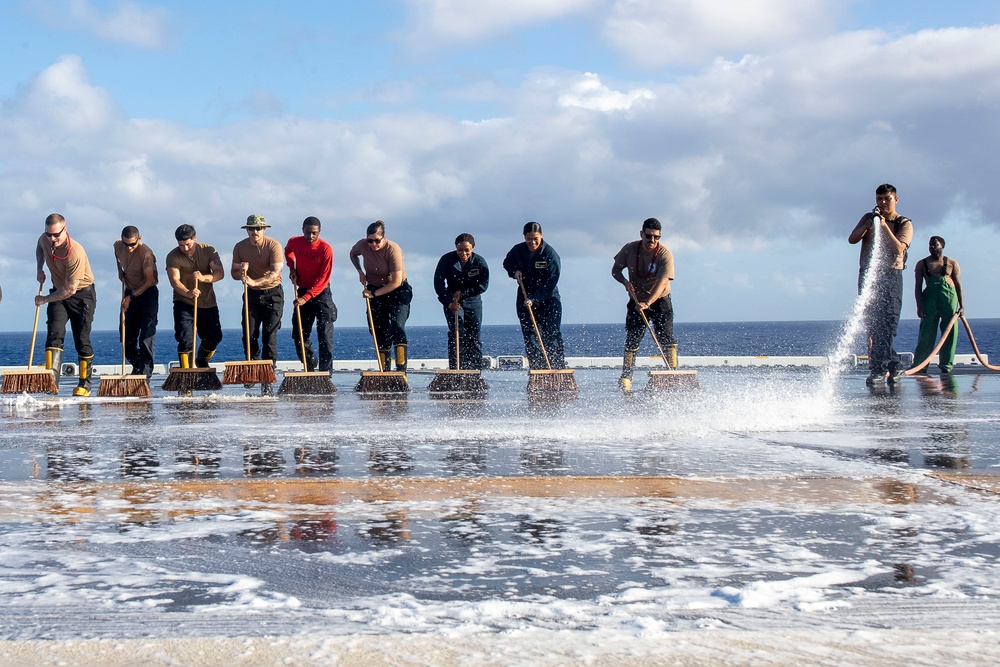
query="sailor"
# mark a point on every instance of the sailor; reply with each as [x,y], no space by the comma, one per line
[650,270]
[536,264]
[460,279]
[72,298]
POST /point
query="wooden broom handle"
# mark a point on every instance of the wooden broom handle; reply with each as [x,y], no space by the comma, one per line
[302,333]
[246,316]
[34,331]
[631,292]
[371,323]
[458,357]
[194,327]
[531,312]
[123,327]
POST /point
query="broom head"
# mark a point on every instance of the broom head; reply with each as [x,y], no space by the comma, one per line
[41,381]
[672,380]
[304,383]
[124,385]
[249,372]
[462,383]
[382,382]
[552,381]
[192,379]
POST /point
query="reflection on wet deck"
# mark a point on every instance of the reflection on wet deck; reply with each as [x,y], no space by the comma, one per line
[135,501]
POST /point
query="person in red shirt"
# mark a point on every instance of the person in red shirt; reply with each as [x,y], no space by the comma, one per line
[310,263]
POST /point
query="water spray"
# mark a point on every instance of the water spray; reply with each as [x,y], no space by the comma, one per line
[837,360]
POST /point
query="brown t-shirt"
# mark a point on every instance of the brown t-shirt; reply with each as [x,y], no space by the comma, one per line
[260,259]
[378,264]
[200,260]
[649,273]
[69,263]
[134,265]
[901,228]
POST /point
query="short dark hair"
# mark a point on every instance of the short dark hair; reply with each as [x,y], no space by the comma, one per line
[939,239]
[465,238]
[311,221]
[54,219]
[531,228]
[652,223]
[130,232]
[375,227]
[184,233]
[885,189]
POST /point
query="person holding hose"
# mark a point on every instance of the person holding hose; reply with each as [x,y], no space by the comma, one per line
[937,303]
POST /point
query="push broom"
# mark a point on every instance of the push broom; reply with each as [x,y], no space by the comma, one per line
[670,378]
[381,381]
[539,381]
[469,383]
[186,380]
[248,372]
[124,385]
[41,381]
[306,382]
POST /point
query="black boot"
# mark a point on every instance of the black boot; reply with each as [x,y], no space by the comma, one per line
[203,357]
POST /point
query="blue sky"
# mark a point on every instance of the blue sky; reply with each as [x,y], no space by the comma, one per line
[756,131]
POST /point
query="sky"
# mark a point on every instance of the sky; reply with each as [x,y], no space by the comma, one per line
[756,132]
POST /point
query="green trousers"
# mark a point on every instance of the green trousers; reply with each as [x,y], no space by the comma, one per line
[940,304]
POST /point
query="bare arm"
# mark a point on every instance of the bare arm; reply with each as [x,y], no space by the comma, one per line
[862,228]
[64,292]
[918,286]
[40,262]
[174,276]
[956,278]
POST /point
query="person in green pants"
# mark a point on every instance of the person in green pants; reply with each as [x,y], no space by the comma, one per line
[937,303]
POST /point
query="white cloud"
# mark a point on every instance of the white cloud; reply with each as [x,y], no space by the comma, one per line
[127,23]
[767,161]
[656,33]
[456,21]
[589,93]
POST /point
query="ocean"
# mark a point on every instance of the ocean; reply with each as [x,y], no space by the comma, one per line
[810,338]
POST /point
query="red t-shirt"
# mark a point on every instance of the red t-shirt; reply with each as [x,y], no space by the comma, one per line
[313,264]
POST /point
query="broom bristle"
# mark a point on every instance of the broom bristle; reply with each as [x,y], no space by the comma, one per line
[672,380]
[249,372]
[307,383]
[546,381]
[124,385]
[191,379]
[33,382]
[382,383]
[458,382]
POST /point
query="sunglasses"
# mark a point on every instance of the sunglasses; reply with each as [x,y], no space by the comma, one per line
[130,245]
[650,237]
[375,241]
[57,234]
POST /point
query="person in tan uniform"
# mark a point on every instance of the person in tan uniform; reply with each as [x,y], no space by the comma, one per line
[189,262]
[650,268]
[386,288]
[140,299]
[72,298]
[257,263]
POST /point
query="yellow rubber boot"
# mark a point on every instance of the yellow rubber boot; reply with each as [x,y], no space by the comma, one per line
[184,358]
[401,358]
[86,370]
[53,361]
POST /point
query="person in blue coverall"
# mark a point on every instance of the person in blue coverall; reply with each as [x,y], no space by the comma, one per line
[460,279]
[537,264]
